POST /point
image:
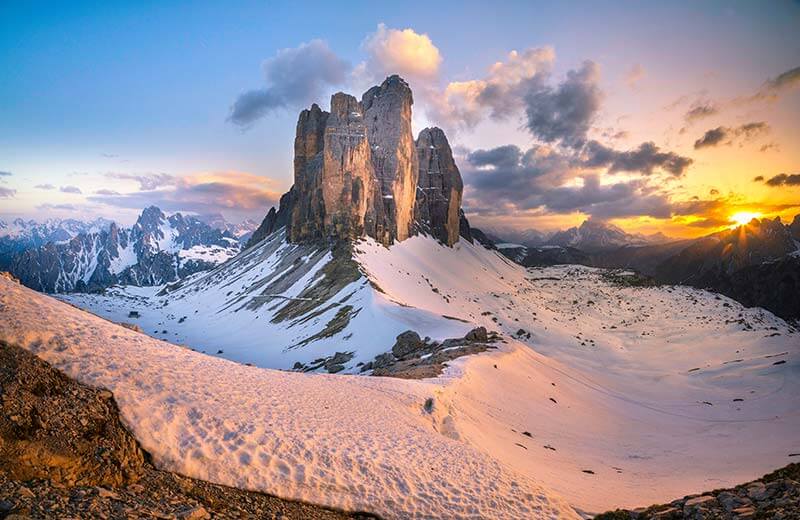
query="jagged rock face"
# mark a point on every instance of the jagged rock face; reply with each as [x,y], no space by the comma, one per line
[356,168]
[348,182]
[307,215]
[274,219]
[440,187]
[156,250]
[357,172]
[387,112]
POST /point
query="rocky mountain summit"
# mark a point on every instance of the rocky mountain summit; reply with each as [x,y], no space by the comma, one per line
[358,171]
[19,234]
[155,250]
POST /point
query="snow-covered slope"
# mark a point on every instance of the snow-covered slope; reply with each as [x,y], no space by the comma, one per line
[274,305]
[629,395]
[355,443]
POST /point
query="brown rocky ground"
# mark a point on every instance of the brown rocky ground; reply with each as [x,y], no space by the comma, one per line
[773,496]
[64,453]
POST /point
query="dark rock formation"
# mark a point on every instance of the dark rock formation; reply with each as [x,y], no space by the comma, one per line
[355,168]
[407,343]
[415,358]
[464,229]
[274,219]
[776,495]
[439,187]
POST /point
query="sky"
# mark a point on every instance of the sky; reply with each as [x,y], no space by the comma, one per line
[657,118]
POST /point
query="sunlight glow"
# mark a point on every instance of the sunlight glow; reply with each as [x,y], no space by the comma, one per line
[743,217]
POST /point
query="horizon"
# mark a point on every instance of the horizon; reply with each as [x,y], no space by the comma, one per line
[194,110]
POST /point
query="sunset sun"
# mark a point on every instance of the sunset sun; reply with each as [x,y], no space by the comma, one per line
[743,217]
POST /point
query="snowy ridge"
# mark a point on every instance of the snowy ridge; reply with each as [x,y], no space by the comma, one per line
[609,394]
[308,437]
[261,307]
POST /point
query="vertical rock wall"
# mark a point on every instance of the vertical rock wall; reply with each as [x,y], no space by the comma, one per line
[358,171]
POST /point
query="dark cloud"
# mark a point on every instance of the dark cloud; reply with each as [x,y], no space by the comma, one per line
[623,199]
[506,180]
[5,174]
[784,179]
[70,189]
[564,114]
[759,178]
[147,181]
[644,159]
[45,187]
[786,80]
[7,193]
[295,77]
[700,110]
[727,135]
[711,138]
[769,146]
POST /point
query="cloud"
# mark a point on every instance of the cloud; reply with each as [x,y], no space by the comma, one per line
[294,77]
[769,146]
[499,95]
[70,189]
[147,181]
[564,114]
[215,192]
[5,174]
[45,187]
[728,135]
[700,110]
[644,159]
[63,207]
[400,51]
[634,75]
[784,179]
[7,193]
[774,87]
[109,155]
[622,199]
[106,192]
[759,178]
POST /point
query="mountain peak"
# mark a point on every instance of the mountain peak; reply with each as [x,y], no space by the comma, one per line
[357,172]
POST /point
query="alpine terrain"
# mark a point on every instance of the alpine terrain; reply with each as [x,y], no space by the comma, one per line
[367,351]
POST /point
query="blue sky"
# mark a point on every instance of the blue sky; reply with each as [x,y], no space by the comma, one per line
[95,94]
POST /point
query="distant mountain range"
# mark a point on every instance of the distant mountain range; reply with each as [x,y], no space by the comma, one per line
[590,236]
[69,255]
[757,264]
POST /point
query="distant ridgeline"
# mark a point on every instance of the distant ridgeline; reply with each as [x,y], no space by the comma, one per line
[358,171]
[67,256]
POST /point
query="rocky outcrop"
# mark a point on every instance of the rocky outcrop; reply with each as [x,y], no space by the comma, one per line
[776,495]
[355,168]
[274,220]
[358,171]
[387,114]
[440,187]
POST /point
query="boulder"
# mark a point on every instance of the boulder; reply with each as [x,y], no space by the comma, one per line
[407,343]
[477,334]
